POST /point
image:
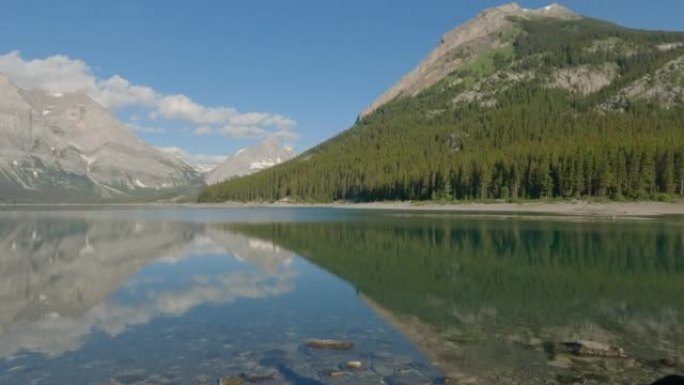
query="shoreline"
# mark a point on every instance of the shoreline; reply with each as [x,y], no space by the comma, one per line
[562,208]
[570,208]
[579,208]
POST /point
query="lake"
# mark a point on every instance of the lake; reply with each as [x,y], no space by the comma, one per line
[156,295]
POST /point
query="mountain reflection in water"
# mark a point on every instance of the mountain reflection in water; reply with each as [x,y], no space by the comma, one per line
[105,297]
[170,297]
[57,279]
[488,299]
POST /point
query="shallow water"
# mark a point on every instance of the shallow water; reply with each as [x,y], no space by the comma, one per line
[185,296]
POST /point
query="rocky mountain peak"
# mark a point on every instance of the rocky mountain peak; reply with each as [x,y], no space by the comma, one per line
[65,146]
[463,45]
[513,9]
[267,153]
[556,10]
[507,9]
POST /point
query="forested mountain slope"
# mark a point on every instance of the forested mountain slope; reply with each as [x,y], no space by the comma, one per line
[546,104]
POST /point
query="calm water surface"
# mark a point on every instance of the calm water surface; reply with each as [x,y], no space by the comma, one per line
[185,296]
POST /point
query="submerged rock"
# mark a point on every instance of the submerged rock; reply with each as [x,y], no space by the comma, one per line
[413,373]
[334,373]
[131,377]
[669,362]
[256,378]
[535,343]
[356,365]
[591,348]
[561,362]
[329,344]
[569,378]
[602,378]
[409,379]
[385,364]
[201,379]
[230,381]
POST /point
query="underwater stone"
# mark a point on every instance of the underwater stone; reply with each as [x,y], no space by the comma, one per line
[230,381]
[329,344]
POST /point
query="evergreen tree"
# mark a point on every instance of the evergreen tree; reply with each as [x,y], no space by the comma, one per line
[526,140]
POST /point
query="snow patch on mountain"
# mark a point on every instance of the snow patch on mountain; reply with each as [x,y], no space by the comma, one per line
[260,165]
[55,137]
[267,153]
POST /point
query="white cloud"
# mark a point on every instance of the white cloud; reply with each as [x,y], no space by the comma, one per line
[117,92]
[181,107]
[221,120]
[286,135]
[55,74]
[245,132]
[57,335]
[60,73]
[258,118]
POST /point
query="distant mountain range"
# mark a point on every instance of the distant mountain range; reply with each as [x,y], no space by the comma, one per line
[516,103]
[67,148]
[267,153]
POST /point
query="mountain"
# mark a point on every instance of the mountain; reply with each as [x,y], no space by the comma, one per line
[264,154]
[66,147]
[464,44]
[514,104]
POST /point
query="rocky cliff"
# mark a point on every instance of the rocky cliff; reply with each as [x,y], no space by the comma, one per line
[66,147]
[464,44]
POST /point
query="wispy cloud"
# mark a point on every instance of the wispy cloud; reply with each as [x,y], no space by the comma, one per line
[60,73]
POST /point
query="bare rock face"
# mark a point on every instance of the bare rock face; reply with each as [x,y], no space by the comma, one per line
[267,153]
[62,146]
[670,46]
[485,90]
[666,86]
[585,79]
[465,44]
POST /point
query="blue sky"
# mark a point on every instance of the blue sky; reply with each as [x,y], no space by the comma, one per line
[306,67]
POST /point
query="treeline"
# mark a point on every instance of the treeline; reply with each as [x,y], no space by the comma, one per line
[516,151]
[556,43]
[609,171]
[533,141]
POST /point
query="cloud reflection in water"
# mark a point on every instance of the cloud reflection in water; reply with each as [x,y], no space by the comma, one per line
[63,280]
